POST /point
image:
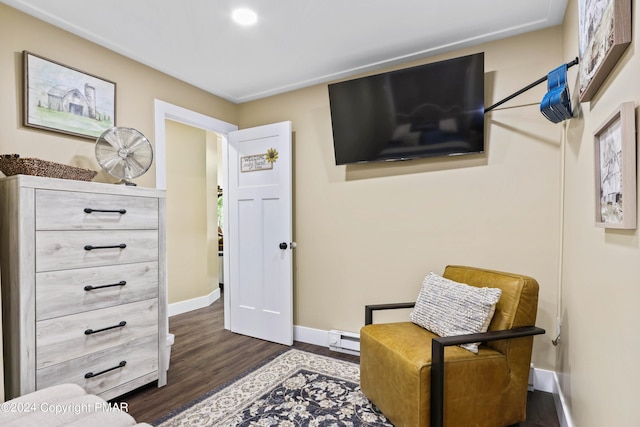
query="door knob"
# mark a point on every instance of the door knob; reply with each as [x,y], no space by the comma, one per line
[283,245]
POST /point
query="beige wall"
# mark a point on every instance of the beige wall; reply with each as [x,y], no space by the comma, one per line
[192,261]
[370,233]
[599,349]
[137,87]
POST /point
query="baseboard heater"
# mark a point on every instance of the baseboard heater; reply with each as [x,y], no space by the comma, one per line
[344,342]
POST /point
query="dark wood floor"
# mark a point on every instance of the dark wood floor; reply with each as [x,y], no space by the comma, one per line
[205,356]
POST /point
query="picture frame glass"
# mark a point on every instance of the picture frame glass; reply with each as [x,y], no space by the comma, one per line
[615,170]
[610,153]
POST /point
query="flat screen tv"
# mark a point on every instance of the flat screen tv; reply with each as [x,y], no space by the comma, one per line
[430,110]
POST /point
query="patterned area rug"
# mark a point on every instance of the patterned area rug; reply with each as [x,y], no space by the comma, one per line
[295,389]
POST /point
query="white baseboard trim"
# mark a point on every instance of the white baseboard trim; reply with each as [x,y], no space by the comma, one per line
[311,336]
[543,380]
[561,405]
[193,304]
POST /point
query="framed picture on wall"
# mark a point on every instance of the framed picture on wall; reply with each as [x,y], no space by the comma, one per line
[605,32]
[62,99]
[615,169]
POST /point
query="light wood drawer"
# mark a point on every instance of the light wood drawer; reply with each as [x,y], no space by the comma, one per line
[62,250]
[64,292]
[65,210]
[64,338]
[141,357]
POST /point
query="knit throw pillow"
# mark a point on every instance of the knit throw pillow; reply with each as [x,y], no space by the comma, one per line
[449,308]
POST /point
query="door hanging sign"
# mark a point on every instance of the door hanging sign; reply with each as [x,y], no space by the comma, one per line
[259,162]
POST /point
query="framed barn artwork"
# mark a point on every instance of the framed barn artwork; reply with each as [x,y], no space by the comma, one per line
[63,99]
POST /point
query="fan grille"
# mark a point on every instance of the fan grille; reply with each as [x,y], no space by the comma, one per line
[124,153]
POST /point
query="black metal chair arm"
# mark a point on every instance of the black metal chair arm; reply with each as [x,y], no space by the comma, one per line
[437,361]
[369,309]
[523,331]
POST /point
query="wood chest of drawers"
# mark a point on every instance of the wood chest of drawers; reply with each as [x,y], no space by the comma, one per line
[83,285]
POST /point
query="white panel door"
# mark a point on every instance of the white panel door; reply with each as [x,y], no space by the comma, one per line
[259,281]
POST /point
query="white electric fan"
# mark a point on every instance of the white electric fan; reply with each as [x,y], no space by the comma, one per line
[124,153]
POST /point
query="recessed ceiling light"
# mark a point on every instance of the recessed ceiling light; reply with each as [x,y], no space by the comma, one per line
[244,16]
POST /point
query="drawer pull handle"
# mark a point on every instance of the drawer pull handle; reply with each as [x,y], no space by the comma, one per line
[92,288]
[91,331]
[91,247]
[120,211]
[119,365]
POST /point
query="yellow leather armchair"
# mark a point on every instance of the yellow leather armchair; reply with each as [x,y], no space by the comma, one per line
[408,374]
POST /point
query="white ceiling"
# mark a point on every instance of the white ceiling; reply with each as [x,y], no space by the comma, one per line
[296,43]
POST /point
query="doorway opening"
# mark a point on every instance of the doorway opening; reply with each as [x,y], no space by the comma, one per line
[167,112]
